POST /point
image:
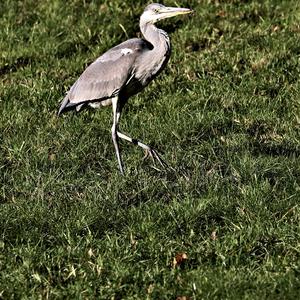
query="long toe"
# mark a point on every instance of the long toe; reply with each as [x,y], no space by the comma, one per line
[147,154]
[153,154]
[159,159]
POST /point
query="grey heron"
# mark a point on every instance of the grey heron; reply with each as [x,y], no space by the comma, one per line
[123,71]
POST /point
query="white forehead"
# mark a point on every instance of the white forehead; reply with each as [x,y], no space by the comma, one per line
[154,6]
[151,12]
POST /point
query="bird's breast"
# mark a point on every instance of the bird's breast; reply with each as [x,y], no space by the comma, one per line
[151,64]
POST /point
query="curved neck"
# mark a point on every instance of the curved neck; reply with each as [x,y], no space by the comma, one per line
[157,37]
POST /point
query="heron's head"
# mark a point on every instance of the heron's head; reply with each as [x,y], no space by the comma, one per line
[155,12]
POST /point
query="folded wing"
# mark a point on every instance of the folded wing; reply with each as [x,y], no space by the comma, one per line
[105,77]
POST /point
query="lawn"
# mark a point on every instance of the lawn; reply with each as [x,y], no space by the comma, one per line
[221,223]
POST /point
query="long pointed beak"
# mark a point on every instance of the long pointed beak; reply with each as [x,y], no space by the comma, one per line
[169,12]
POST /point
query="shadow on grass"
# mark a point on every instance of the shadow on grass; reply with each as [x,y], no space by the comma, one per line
[282,149]
[19,63]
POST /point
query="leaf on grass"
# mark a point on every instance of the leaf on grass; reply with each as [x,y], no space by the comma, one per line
[179,259]
[213,235]
[221,13]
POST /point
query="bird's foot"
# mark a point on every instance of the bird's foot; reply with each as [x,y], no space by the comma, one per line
[153,154]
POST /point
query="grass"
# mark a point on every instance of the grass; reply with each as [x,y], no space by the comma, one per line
[225,115]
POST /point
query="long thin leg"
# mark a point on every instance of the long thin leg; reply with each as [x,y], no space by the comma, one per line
[116,117]
[150,151]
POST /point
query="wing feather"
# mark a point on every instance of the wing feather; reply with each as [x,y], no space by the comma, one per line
[106,76]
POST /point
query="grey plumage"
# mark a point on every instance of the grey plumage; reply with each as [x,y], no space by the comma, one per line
[123,71]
